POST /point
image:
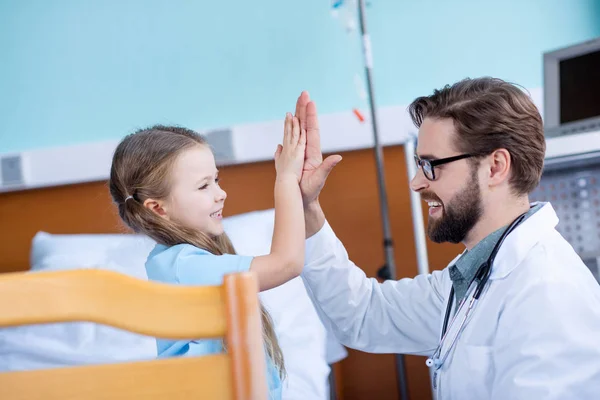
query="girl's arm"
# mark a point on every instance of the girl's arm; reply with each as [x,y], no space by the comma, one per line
[287,247]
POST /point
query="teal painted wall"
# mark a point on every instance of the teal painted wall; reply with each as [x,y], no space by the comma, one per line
[76,71]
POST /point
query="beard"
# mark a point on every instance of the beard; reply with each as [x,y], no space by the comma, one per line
[458,216]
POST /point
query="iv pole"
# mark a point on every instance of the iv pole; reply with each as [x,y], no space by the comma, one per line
[390,266]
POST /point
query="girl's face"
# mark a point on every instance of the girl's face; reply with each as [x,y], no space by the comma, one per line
[196,200]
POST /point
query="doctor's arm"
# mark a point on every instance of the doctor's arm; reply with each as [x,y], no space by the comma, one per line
[392,317]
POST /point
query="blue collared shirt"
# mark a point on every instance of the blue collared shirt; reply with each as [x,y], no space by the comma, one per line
[465,268]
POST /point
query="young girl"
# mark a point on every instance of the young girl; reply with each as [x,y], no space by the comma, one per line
[166,185]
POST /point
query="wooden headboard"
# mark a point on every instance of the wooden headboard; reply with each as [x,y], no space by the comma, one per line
[350,201]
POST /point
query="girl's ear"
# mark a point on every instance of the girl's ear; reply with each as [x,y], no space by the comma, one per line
[157,207]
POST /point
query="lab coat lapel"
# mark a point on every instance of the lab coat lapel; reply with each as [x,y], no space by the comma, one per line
[517,245]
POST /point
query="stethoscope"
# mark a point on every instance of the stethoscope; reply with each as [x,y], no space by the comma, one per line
[479,282]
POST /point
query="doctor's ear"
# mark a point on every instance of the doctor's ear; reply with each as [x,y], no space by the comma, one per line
[499,167]
[157,207]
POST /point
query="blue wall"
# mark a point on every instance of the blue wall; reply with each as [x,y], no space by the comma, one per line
[74,71]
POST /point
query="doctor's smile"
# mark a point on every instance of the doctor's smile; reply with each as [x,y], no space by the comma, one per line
[435,205]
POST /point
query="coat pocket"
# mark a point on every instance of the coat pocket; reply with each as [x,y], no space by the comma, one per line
[477,372]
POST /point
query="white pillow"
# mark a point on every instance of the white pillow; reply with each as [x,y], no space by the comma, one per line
[117,252]
[251,234]
[307,347]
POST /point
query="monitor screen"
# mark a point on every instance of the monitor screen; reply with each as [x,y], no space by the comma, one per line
[579,87]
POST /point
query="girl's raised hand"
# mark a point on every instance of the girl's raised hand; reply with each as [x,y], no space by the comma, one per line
[289,157]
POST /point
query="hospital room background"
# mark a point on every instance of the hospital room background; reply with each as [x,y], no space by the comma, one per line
[76,76]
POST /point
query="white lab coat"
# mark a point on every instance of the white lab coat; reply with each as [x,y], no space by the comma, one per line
[534,334]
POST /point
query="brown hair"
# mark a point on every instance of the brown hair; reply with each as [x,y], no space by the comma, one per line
[491,114]
[141,168]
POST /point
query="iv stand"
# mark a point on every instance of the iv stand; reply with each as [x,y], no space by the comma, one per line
[390,266]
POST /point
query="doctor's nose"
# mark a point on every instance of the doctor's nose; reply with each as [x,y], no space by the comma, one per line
[419,182]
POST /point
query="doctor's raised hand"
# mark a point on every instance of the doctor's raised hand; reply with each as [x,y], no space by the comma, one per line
[315,170]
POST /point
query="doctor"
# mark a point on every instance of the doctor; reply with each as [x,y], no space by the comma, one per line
[517,314]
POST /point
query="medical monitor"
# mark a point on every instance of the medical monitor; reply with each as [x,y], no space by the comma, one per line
[572,89]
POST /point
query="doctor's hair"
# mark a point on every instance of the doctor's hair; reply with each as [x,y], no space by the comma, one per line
[491,114]
[141,169]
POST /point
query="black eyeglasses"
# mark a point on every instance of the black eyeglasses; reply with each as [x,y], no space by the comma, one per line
[428,165]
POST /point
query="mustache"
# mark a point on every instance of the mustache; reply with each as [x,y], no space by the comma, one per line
[430,196]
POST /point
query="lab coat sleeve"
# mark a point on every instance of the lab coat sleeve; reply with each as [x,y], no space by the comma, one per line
[550,346]
[392,317]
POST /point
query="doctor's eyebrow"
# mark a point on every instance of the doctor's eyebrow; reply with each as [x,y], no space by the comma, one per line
[427,156]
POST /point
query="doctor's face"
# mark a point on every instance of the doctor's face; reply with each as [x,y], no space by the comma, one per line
[454,195]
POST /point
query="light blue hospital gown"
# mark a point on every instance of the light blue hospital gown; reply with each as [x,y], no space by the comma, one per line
[185,264]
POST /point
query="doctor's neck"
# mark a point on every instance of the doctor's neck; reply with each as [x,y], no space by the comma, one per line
[497,213]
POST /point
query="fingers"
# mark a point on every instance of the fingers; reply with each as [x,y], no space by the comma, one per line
[301,103]
[302,141]
[287,129]
[295,131]
[312,122]
[313,136]
[278,151]
[327,165]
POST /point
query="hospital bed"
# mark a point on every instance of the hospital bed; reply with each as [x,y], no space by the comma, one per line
[308,349]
